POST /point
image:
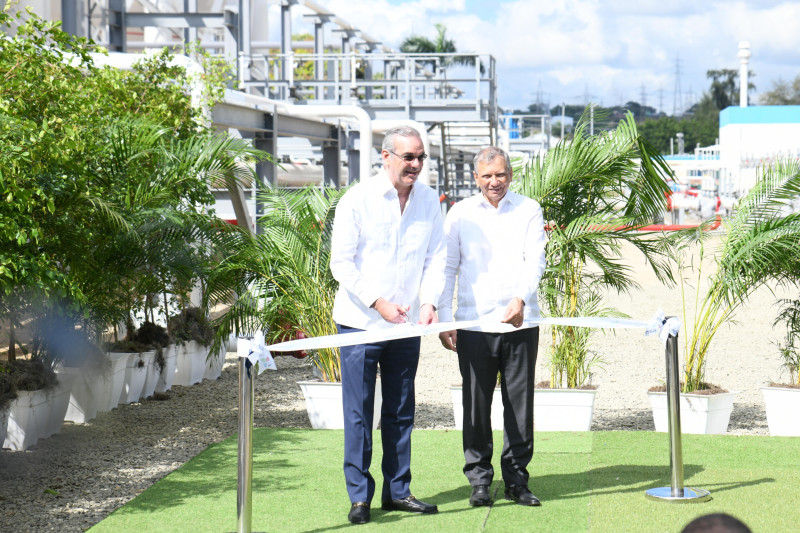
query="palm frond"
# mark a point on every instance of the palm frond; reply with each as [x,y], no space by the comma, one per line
[596,192]
[283,275]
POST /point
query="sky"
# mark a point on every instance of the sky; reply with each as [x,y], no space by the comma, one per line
[605,52]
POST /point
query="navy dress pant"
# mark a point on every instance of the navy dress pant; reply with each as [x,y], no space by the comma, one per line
[480,357]
[398,360]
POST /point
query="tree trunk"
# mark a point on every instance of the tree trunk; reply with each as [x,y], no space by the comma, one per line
[12,354]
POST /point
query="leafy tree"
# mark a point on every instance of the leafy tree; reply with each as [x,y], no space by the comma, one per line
[724,90]
[42,149]
[77,185]
[700,127]
[782,93]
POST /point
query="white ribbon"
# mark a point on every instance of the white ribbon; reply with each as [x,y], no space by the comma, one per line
[256,351]
[655,326]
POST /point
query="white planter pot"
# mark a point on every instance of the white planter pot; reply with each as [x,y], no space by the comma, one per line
[783,411]
[35,415]
[324,404]
[458,408]
[28,418]
[705,414]
[59,402]
[113,381]
[213,366]
[151,374]
[135,375]
[3,424]
[87,389]
[563,409]
[191,363]
[166,376]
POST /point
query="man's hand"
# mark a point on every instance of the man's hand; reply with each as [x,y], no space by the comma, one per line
[427,315]
[515,312]
[448,339]
[391,312]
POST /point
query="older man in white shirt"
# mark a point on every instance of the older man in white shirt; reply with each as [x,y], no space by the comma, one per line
[496,249]
[388,255]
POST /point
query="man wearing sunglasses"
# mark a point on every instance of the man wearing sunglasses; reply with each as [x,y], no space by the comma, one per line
[496,248]
[388,255]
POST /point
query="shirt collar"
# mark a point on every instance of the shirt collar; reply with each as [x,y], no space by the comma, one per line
[384,184]
[509,198]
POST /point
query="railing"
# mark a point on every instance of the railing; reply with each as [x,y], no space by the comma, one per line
[375,78]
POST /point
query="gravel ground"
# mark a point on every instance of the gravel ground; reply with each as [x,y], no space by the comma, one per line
[74,479]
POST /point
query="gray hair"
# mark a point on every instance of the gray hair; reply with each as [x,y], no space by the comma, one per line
[398,131]
[488,154]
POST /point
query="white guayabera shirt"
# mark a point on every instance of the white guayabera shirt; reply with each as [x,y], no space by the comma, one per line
[378,253]
[496,253]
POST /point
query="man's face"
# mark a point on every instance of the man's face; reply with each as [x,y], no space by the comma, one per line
[493,178]
[401,173]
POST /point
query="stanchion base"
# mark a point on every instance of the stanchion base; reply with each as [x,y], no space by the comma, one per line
[689,495]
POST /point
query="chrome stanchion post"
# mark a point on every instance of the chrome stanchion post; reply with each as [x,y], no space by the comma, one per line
[676,492]
[244,495]
[674,418]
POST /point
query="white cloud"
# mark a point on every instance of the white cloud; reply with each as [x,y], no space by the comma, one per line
[612,47]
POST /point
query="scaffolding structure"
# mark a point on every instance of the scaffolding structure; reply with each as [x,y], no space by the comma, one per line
[450,98]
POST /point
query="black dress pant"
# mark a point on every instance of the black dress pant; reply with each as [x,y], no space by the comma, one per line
[480,357]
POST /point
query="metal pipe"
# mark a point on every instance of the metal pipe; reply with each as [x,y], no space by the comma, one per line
[244,486]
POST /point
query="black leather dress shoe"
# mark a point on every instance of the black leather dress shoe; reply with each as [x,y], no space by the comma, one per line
[359,513]
[521,495]
[480,496]
[409,504]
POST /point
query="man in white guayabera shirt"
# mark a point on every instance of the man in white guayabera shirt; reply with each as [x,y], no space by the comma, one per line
[388,255]
[496,248]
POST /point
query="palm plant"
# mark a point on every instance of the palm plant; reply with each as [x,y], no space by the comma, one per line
[790,350]
[595,193]
[758,246]
[282,278]
[164,239]
[442,46]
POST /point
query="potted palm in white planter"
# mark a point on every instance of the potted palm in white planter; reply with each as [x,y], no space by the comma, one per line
[782,400]
[595,193]
[158,340]
[286,290]
[705,408]
[758,245]
[138,357]
[194,337]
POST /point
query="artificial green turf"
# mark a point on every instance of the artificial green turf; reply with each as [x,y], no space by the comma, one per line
[591,481]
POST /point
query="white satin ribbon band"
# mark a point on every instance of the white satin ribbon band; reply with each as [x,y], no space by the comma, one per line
[259,352]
